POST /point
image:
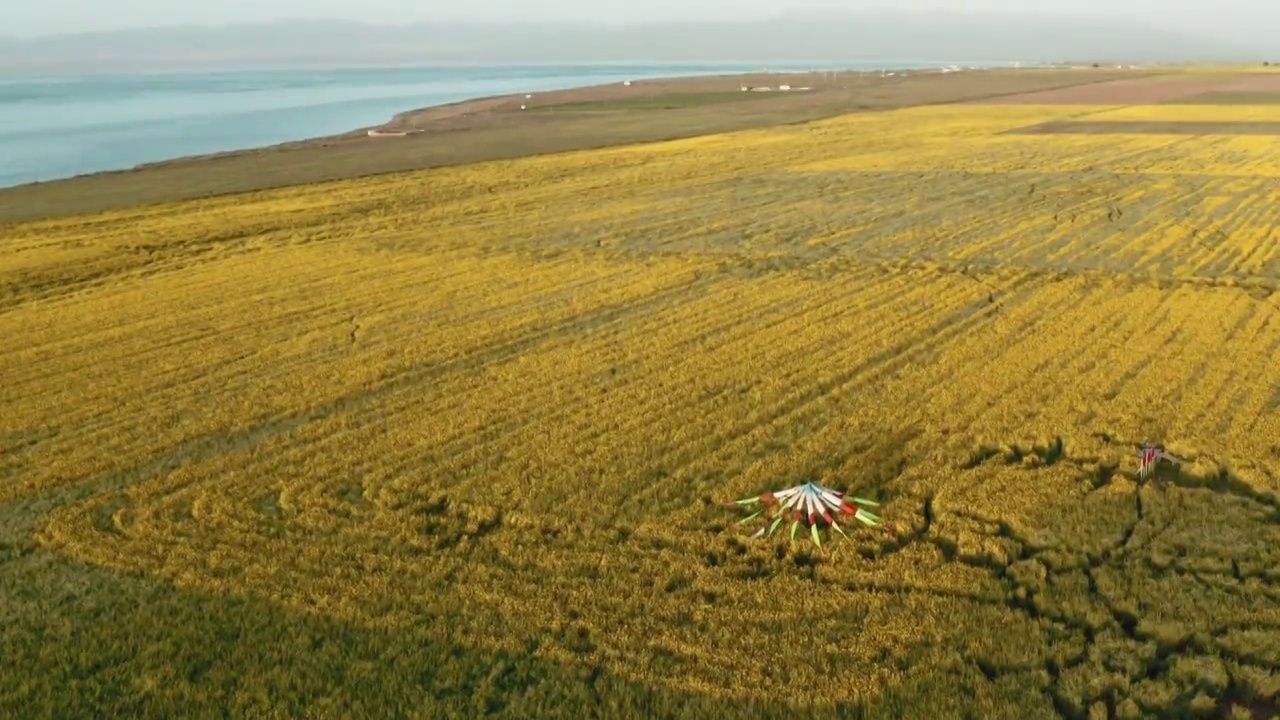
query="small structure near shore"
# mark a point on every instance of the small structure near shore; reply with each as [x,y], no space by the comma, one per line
[766,88]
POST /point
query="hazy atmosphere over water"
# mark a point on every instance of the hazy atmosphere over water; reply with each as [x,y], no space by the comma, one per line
[1242,20]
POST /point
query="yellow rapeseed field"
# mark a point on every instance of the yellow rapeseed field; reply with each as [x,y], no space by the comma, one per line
[459,441]
[1192,113]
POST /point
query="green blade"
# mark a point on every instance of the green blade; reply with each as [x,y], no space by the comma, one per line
[866,514]
[747,501]
[794,527]
[865,521]
[752,516]
[864,501]
[839,529]
[817,540]
[777,521]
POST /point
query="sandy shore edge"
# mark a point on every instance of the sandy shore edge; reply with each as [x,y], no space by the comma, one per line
[410,122]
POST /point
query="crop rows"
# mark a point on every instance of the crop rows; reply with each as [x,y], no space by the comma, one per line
[500,408]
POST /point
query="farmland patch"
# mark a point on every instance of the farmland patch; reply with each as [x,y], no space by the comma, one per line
[470,437]
[1152,127]
[1233,97]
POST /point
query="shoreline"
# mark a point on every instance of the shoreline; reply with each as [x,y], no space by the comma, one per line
[394,127]
[575,118]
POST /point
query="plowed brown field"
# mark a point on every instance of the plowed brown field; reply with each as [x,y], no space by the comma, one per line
[1144,90]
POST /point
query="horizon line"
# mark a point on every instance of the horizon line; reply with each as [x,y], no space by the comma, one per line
[792,16]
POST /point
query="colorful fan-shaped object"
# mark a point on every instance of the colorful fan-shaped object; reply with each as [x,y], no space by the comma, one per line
[1150,456]
[809,504]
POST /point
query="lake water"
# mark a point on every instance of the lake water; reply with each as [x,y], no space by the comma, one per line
[56,127]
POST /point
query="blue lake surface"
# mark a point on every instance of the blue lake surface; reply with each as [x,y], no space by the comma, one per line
[56,127]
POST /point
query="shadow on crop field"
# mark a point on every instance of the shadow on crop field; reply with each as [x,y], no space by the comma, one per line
[1156,584]
[1117,599]
[157,651]
[1147,596]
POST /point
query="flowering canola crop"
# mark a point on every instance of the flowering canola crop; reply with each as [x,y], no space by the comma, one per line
[501,407]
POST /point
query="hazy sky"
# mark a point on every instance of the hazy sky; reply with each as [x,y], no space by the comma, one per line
[1252,20]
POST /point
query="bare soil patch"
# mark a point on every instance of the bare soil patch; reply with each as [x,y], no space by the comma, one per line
[1254,82]
[1231,97]
[1127,91]
[1149,127]
[505,111]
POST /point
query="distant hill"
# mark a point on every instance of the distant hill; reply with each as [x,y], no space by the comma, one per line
[847,37]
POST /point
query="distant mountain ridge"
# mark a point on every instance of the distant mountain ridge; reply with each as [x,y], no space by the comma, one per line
[884,36]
